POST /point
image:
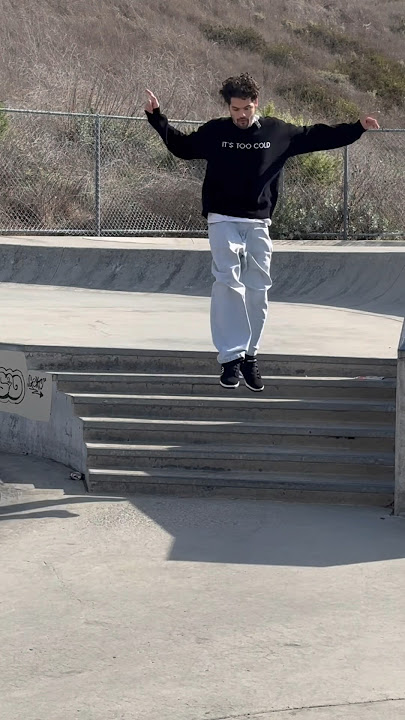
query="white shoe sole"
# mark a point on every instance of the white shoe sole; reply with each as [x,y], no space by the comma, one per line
[254,389]
[229,387]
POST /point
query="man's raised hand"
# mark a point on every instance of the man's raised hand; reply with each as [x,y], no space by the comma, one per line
[152,102]
[369,123]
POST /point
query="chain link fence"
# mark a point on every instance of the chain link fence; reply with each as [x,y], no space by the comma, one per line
[84,174]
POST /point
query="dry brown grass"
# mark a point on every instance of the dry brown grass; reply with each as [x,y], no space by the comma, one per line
[100,54]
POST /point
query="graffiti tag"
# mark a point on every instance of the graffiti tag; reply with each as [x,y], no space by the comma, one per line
[36,385]
[12,386]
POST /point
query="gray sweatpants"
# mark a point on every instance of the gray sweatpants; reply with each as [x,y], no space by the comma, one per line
[241,257]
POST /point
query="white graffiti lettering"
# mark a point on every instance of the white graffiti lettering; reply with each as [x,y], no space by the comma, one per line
[247,146]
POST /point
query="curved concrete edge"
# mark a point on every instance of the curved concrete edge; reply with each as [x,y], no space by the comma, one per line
[59,439]
[363,278]
[194,243]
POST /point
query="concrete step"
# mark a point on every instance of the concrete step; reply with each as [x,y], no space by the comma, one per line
[221,458]
[199,432]
[275,386]
[231,406]
[93,359]
[254,485]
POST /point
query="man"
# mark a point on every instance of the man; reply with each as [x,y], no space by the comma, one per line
[245,154]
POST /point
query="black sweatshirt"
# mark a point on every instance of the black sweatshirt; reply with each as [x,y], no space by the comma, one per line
[243,165]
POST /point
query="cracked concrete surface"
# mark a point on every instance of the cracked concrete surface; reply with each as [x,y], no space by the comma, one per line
[191,609]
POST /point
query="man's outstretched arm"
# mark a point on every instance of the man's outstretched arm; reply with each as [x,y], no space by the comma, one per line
[184,146]
[326,137]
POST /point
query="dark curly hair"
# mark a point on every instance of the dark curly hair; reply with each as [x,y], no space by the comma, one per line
[243,86]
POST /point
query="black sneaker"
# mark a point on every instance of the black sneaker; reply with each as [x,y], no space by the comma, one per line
[251,373]
[230,374]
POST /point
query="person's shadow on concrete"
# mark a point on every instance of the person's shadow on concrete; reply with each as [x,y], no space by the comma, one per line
[22,510]
[22,475]
[275,533]
[36,515]
[218,530]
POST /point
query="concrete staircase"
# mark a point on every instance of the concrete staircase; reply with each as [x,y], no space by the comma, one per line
[318,432]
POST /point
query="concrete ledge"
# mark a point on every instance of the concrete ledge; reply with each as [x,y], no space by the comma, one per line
[382,498]
[97,359]
[60,439]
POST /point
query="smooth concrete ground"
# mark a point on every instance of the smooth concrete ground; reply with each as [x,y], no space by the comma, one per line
[183,609]
[47,315]
[326,300]
[186,609]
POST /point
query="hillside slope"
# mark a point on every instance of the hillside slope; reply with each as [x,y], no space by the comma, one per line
[322,59]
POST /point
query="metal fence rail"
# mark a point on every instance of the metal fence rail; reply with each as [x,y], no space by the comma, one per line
[104,175]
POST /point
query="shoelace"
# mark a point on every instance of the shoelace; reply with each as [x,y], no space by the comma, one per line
[233,370]
[254,368]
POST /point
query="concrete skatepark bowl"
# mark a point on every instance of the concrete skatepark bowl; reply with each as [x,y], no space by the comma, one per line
[95,305]
[326,300]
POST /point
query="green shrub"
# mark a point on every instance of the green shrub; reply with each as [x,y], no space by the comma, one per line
[320,168]
[297,218]
[270,110]
[334,41]
[237,36]
[247,38]
[369,218]
[367,69]
[332,77]
[79,129]
[378,74]
[344,109]
[399,26]
[281,54]
[320,100]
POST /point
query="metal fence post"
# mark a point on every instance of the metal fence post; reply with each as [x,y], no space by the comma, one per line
[97,147]
[345,193]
